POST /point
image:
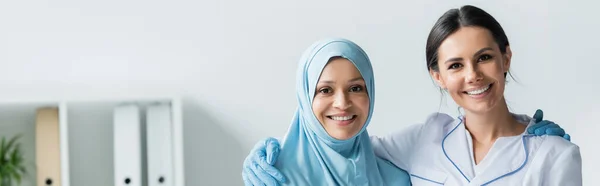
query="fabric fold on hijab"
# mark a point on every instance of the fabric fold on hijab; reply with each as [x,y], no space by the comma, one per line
[309,156]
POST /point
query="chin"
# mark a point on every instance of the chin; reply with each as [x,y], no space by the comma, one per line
[481,107]
[478,109]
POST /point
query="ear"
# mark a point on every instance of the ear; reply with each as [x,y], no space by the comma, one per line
[507,59]
[437,77]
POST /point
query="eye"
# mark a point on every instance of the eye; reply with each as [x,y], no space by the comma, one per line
[455,66]
[484,57]
[356,88]
[325,90]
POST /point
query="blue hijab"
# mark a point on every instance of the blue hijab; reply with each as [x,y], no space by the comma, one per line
[309,156]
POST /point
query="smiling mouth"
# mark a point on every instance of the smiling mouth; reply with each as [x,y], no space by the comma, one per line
[479,91]
[342,118]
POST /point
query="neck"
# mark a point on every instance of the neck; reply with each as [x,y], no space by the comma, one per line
[345,147]
[487,127]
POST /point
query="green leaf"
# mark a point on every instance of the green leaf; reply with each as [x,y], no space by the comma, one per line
[17,177]
[2,150]
[14,156]
[11,160]
[11,143]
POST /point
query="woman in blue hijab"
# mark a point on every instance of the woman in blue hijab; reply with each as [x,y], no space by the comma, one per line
[327,142]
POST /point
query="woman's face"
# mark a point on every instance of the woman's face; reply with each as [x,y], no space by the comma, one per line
[471,69]
[341,101]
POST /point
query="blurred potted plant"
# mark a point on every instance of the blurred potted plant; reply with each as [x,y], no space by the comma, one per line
[12,166]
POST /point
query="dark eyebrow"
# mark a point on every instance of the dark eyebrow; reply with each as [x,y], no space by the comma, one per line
[481,51]
[332,82]
[455,59]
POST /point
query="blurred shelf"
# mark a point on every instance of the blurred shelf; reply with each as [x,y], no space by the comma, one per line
[87,138]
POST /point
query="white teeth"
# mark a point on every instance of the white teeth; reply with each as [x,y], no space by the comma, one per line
[341,118]
[479,91]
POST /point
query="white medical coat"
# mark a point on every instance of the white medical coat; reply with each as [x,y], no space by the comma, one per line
[439,152]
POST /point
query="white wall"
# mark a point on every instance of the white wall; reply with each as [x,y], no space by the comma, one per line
[235,60]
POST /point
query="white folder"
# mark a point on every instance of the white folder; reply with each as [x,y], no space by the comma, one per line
[127,145]
[159,145]
[47,144]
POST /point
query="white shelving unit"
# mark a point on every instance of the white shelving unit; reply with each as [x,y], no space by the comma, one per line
[87,136]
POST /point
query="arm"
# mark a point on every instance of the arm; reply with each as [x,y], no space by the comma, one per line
[397,146]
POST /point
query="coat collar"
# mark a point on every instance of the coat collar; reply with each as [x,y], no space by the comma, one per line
[507,156]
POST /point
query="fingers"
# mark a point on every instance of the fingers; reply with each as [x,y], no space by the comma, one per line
[275,174]
[260,147]
[263,167]
[246,180]
[257,154]
[538,116]
[537,125]
[542,130]
[555,131]
[248,175]
[272,150]
[260,158]
[252,177]
[546,127]
[265,176]
[567,137]
[260,167]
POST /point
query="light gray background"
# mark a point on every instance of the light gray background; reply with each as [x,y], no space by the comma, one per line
[235,61]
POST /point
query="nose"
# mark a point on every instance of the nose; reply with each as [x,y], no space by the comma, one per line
[341,101]
[473,74]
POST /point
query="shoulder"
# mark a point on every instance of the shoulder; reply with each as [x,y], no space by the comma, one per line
[559,143]
[432,122]
[555,146]
[557,160]
[440,123]
[439,119]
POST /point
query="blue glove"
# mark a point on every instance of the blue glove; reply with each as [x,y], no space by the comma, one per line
[545,127]
[258,166]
